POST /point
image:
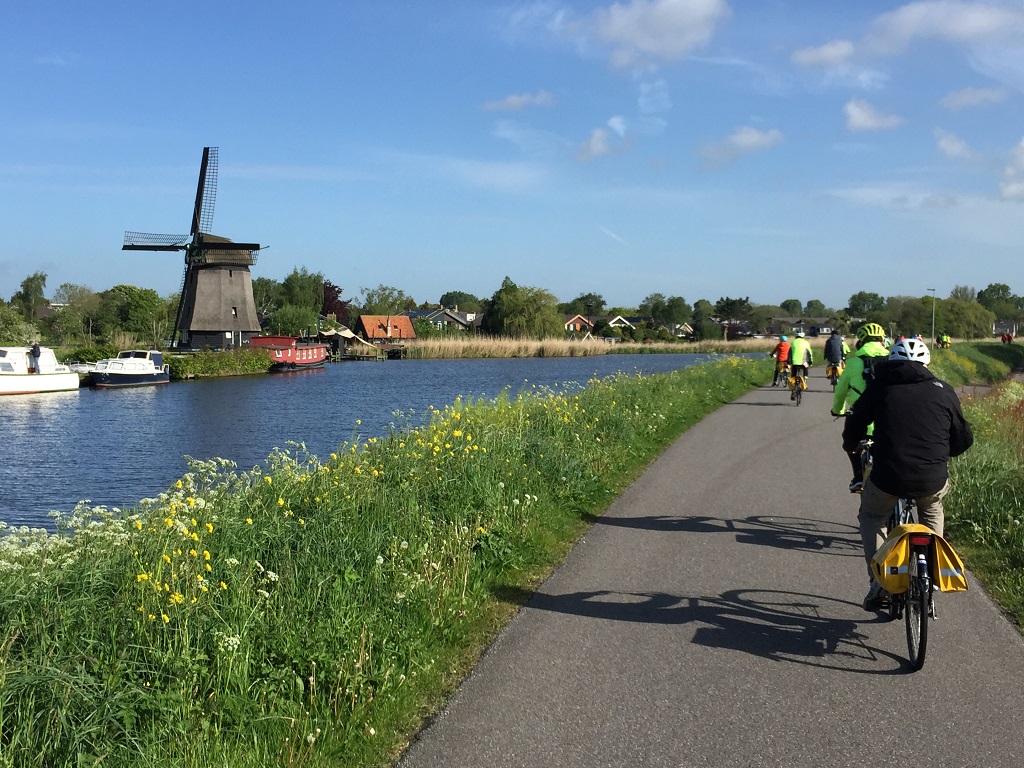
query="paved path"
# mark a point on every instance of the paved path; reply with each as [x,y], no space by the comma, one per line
[712,618]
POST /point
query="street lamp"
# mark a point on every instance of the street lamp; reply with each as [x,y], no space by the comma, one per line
[932,290]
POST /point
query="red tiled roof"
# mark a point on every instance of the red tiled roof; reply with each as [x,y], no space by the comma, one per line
[377,327]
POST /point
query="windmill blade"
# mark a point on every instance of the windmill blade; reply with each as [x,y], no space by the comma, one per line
[144,241]
[206,191]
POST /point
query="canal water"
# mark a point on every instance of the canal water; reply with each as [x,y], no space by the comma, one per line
[115,447]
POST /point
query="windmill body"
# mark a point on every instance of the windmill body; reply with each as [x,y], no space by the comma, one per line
[216,309]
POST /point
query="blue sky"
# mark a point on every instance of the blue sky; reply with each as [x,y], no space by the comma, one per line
[699,148]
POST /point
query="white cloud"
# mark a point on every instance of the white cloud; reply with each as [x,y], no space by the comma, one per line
[532,142]
[619,125]
[862,116]
[970,23]
[665,30]
[973,97]
[594,147]
[952,146]
[742,141]
[1012,186]
[520,101]
[831,54]
[894,195]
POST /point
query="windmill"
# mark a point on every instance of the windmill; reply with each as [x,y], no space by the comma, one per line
[216,308]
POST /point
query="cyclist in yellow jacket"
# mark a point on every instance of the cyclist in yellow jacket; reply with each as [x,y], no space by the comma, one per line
[801,358]
[870,349]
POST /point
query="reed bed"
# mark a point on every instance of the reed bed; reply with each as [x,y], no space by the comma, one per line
[311,613]
[494,347]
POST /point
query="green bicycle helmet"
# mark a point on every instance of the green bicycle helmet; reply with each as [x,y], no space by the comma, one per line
[870,332]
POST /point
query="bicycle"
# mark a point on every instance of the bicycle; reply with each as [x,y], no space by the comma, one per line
[917,604]
[797,385]
[833,371]
[781,373]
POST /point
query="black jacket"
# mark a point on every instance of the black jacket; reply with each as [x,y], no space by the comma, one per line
[918,426]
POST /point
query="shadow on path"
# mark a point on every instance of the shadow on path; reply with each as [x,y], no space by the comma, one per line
[787,533]
[781,626]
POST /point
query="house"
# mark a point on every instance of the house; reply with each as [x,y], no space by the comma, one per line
[386,329]
[812,326]
[578,324]
[443,319]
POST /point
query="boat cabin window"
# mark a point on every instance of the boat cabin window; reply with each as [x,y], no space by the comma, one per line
[6,367]
[234,311]
[3,353]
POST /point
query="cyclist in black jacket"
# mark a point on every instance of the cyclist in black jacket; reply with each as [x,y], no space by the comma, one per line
[918,427]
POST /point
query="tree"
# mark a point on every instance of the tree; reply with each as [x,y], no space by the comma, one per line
[730,310]
[864,304]
[461,301]
[14,331]
[964,319]
[792,307]
[83,300]
[703,326]
[993,294]
[523,312]
[139,312]
[29,300]
[963,293]
[385,300]
[303,289]
[267,295]
[333,303]
[815,308]
[584,304]
[293,320]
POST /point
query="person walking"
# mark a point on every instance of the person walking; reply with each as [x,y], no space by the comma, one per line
[918,427]
[36,353]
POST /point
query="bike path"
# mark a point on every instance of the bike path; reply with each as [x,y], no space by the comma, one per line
[712,618]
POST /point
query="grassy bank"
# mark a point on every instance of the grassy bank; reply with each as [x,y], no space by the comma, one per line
[975,362]
[985,508]
[311,615]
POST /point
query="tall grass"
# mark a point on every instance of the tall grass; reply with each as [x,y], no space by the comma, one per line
[495,347]
[985,508]
[311,614]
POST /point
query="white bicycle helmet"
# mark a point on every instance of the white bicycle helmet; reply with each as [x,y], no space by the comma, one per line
[910,349]
[799,334]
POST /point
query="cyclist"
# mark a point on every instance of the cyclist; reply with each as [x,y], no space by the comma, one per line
[800,361]
[852,383]
[918,427]
[836,351]
[781,355]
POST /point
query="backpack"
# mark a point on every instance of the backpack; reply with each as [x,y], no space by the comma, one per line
[869,367]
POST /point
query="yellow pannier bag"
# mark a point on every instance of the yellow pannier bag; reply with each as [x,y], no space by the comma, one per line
[891,563]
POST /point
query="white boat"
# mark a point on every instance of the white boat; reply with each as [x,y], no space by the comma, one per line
[18,377]
[132,368]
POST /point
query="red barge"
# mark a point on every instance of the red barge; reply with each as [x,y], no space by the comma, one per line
[291,353]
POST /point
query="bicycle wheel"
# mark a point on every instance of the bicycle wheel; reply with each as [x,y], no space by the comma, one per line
[799,392]
[916,614]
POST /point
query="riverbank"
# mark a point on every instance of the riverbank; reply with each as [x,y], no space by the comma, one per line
[313,613]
